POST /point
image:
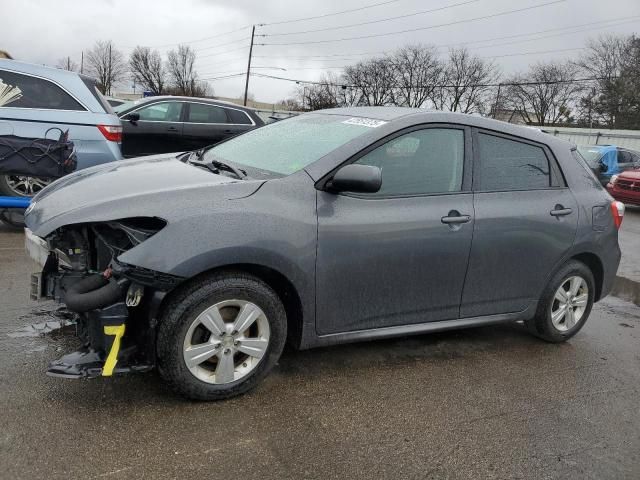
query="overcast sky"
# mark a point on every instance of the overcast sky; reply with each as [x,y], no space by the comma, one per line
[42,31]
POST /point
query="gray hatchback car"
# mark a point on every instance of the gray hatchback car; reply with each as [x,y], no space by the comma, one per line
[335,226]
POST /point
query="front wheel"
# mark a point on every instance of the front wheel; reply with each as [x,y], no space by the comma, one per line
[220,336]
[565,304]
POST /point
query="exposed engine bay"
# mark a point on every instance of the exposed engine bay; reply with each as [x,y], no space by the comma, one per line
[115,302]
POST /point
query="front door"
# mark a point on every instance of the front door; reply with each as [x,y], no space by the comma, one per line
[525,221]
[159,130]
[398,256]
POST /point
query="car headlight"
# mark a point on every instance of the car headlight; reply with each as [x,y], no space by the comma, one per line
[614,179]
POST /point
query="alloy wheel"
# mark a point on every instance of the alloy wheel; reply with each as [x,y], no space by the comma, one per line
[226,341]
[569,303]
[26,186]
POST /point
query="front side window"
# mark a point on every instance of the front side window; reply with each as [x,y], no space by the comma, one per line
[420,162]
[24,91]
[201,113]
[161,112]
[510,165]
[287,146]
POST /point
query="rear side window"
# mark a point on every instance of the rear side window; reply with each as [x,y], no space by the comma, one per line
[510,165]
[24,91]
[238,117]
[201,113]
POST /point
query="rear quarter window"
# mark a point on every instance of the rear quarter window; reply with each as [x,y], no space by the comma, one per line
[25,91]
[507,164]
[238,117]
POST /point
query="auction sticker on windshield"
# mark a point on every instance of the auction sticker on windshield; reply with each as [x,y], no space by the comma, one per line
[365,122]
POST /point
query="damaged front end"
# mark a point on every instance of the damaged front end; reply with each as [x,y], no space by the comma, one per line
[116,303]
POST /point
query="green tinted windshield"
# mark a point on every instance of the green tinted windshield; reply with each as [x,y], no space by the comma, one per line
[289,145]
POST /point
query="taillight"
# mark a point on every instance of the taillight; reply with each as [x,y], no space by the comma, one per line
[617,209]
[111,132]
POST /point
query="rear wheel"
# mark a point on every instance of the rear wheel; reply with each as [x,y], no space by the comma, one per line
[565,304]
[22,186]
[220,336]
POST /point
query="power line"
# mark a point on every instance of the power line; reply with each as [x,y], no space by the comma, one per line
[508,12]
[422,12]
[536,53]
[200,39]
[503,84]
[224,77]
[222,44]
[577,29]
[215,54]
[325,15]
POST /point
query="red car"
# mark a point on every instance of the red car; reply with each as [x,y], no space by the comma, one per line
[625,187]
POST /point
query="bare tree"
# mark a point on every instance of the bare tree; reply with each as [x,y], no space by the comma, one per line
[417,71]
[66,63]
[327,93]
[106,64]
[182,73]
[466,83]
[148,70]
[605,60]
[372,82]
[546,94]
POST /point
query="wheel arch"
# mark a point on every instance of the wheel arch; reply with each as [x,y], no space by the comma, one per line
[594,263]
[280,283]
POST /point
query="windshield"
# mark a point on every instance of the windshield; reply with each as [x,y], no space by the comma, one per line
[591,154]
[289,145]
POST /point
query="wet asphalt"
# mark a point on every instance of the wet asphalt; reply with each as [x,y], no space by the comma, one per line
[490,402]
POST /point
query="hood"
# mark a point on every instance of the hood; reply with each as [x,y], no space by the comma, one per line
[160,186]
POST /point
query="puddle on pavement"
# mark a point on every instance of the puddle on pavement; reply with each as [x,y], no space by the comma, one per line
[59,322]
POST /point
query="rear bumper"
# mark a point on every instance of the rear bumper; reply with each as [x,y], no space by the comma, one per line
[610,269]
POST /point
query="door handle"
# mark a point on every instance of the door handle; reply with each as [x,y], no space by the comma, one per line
[228,131]
[455,219]
[172,129]
[560,211]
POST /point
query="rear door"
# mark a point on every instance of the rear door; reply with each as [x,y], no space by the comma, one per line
[525,220]
[159,129]
[205,124]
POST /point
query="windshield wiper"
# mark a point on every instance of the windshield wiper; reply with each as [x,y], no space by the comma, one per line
[215,165]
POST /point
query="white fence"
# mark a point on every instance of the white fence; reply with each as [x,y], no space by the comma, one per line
[597,136]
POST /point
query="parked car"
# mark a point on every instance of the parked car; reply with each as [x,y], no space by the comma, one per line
[331,227]
[48,99]
[625,187]
[167,124]
[608,160]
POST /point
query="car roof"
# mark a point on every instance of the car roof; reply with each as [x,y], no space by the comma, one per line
[422,115]
[142,101]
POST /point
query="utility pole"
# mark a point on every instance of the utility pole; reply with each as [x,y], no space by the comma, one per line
[246,83]
[82,61]
[495,107]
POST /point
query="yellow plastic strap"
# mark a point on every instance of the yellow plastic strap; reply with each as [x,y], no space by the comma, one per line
[112,358]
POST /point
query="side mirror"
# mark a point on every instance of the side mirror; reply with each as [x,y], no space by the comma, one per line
[357,179]
[133,117]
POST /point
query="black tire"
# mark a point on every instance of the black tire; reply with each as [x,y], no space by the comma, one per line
[191,300]
[541,325]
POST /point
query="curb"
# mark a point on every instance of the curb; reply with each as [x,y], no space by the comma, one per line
[626,289]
